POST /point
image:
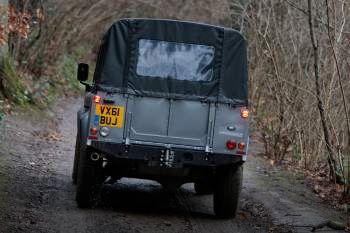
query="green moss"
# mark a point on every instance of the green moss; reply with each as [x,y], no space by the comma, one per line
[43,90]
[14,89]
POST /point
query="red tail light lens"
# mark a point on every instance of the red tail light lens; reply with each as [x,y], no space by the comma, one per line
[241,145]
[93,131]
[97,99]
[231,145]
[244,113]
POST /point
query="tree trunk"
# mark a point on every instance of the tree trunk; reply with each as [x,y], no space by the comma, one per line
[320,105]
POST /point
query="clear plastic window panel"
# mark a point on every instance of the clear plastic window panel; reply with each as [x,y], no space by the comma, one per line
[179,61]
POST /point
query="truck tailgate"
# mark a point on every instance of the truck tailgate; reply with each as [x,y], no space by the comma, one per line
[159,120]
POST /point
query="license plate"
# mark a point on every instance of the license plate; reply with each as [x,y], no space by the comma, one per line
[110,115]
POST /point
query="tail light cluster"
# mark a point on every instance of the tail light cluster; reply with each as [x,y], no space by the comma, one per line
[231,145]
[93,133]
[104,132]
[238,146]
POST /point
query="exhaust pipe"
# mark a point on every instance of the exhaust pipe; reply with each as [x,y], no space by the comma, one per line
[95,157]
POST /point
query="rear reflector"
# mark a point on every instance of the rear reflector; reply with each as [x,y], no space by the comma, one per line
[97,99]
[93,137]
[231,145]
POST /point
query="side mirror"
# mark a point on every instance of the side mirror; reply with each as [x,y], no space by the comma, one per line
[83,72]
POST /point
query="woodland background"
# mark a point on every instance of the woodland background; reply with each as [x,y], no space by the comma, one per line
[299,68]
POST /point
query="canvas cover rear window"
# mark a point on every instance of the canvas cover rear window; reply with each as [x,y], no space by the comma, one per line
[180,61]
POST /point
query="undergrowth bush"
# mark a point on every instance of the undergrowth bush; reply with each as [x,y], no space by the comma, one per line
[68,67]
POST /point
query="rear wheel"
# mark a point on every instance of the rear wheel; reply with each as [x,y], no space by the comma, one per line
[202,188]
[227,189]
[89,179]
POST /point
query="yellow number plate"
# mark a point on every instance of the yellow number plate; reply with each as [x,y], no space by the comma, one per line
[110,115]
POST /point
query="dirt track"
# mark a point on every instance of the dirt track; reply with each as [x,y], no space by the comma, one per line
[37,195]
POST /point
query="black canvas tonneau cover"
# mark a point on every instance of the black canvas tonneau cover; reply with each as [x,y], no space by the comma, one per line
[173,59]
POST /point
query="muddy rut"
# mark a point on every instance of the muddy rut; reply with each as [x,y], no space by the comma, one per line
[37,194]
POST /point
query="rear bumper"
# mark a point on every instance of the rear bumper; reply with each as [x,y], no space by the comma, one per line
[156,156]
